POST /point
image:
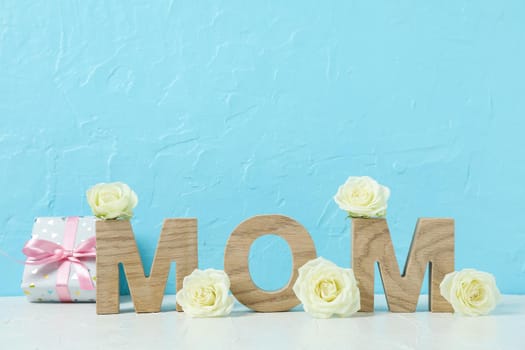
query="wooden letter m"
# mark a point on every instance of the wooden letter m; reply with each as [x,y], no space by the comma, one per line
[116,244]
[432,245]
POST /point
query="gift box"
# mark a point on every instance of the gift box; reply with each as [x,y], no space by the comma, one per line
[60,264]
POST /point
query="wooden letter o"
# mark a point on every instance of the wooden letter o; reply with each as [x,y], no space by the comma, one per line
[238,250]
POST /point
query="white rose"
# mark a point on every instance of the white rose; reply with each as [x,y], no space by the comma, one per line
[326,289]
[204,293]
[470,292]
[362,196]
[112,200]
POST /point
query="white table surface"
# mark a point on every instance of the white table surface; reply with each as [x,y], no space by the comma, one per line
[25,325]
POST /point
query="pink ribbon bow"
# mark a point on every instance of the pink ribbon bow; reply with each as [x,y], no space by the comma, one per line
[41,252]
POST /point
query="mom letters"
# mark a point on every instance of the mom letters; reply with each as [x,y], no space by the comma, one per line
[432,245]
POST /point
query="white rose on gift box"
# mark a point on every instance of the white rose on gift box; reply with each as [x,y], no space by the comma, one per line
[204,293]
[470,292]
[112,200]
[362,196]
[326,289]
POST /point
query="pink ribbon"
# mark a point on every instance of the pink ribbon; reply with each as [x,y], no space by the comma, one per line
[41,252]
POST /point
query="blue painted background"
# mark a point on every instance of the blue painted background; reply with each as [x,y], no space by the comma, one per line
[222,110]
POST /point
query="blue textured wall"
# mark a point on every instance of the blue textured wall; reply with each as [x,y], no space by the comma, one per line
[224,109]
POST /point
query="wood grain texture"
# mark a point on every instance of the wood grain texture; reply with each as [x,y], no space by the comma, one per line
[116,244]
[432,244]
[236,260]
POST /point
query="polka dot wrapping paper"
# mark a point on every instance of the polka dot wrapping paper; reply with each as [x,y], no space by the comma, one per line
[63,280]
